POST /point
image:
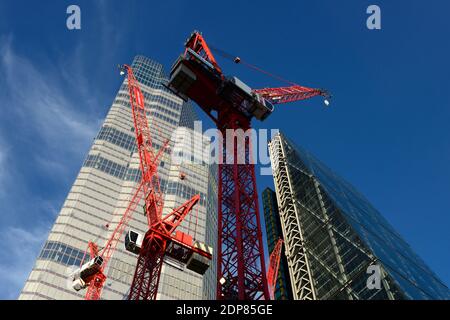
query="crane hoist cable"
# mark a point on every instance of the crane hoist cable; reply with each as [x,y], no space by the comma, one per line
[294,89]
[238,60]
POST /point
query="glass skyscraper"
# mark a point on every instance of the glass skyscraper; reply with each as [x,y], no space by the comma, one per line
[105,184]
[338,246]
[272,221]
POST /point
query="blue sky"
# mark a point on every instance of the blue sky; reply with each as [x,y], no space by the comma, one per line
[386,133]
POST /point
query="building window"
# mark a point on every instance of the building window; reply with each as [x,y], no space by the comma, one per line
[62,253]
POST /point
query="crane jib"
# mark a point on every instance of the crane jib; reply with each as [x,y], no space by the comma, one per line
[138,97]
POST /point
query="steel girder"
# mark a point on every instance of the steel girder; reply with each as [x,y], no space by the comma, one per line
[148,268]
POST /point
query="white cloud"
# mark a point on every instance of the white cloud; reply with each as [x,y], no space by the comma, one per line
[42,104]
[18,252]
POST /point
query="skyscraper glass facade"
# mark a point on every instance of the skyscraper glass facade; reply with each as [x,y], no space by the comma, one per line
[333,235]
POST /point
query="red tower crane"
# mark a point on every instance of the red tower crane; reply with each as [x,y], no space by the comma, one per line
[161,238]
[231,104]
[274,265]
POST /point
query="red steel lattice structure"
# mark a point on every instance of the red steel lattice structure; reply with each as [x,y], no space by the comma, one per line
[159,240]
[97,281]
[274,265]
[149,186]
[197,76]
[240,245]
[288,94]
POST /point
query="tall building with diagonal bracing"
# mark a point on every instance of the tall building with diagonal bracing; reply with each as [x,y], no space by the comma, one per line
[104,185]
[338,246]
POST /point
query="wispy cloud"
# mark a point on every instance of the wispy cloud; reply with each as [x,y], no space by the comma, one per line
[45,131]
[40,102]
[20,248]
[51,111]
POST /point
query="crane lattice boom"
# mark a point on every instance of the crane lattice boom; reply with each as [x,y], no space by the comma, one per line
[289,94]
